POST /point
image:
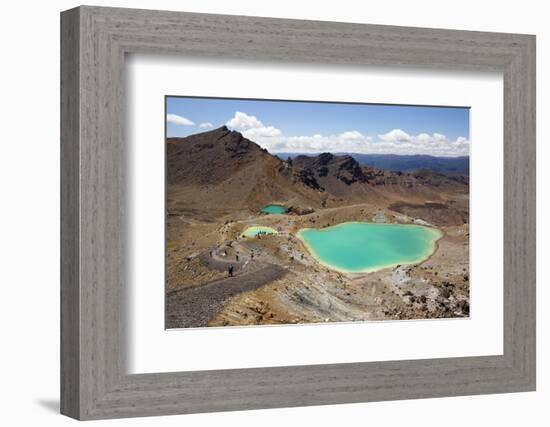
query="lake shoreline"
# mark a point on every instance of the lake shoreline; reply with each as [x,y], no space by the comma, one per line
[302,295]
[420,260]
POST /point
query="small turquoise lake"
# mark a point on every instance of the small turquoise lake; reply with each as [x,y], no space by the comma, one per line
[360,247]
[274,209]
[258,230]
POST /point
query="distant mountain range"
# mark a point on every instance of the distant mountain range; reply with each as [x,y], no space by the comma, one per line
[404,163]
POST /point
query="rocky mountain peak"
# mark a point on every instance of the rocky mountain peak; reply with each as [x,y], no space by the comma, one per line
[212,155]
[344,168]
[324,159]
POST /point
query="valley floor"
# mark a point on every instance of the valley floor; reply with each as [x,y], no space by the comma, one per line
[276,281]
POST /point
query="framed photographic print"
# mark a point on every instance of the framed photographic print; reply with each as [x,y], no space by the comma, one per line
[334,215]
[292,213]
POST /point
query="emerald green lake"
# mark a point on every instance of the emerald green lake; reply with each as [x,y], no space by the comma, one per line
[254,231]
[274,209]
[359,247]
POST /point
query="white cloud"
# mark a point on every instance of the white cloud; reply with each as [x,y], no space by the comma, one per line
[349,141]
[206,125]
[424,138]
[395,141]
[242,121]
[395,135]
[252,128]
[178,120]
[262,132]
[435,144]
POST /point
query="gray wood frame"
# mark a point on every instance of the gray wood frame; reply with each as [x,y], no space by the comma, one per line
[94,382]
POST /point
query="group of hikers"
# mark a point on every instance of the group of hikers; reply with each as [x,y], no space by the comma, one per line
[231,268]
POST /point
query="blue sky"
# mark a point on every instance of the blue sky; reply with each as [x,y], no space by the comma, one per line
[309,127]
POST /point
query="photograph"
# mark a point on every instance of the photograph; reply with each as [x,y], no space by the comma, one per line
[302,212]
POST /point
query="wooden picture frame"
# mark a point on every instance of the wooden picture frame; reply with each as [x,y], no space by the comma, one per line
[94,382]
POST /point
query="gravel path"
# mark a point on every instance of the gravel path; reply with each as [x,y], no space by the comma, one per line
[194,307]
[216,262]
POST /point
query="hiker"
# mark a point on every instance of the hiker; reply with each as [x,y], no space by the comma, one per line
[210,254]
[237,257]
[251,255]
[231,270]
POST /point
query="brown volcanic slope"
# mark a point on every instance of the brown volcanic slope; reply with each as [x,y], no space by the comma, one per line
[219,172]
[217,182]
[222,171]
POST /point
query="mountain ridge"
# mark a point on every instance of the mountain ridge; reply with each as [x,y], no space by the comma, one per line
[459,165]
[236,172]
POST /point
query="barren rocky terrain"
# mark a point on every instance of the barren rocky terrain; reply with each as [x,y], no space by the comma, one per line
[217,183]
